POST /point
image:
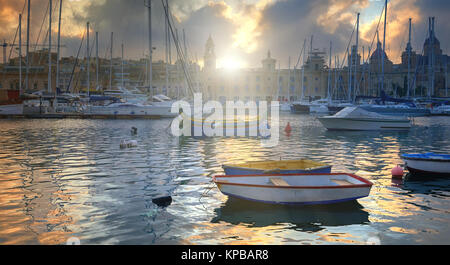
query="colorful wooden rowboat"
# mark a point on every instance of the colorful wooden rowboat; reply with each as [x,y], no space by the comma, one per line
[277,167]
[429,163]
[300,189]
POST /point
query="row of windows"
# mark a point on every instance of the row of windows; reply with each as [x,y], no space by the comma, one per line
[15,86]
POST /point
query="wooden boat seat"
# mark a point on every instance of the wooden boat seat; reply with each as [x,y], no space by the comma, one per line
[342,182]
[279,182]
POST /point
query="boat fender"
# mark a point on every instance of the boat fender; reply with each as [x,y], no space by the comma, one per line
[288,128]
[397,172]
[163,201]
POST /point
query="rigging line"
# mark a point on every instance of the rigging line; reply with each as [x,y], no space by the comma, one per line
[301,54]
[422,65]
[46,35]
[179,50]
[15,35]
[14,41]
[42,25]
[75,64]
[348,45]
[33,77]
[375,34]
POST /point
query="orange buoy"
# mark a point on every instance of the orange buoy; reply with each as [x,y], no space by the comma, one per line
[397,172]
[288,128]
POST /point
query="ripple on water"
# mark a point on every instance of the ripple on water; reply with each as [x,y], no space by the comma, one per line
[64,178]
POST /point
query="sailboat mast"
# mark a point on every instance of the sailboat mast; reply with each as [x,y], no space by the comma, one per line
[96,60]
[303,69]
[446,73]
[384,46]
[150,47]
[350,64]
[335,75]
[88,60]
[363,70]
[50,7]
[369,77]
[329,74]
[167,50]
[59,44]
[28,47]
[289,80]
[356,59]
[20,54]
[168,33]
[432,57]
[123,84]
[111,61]
[409,61]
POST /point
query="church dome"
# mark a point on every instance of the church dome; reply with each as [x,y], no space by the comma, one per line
[378,53]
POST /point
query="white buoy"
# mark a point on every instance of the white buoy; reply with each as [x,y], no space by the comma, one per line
[123,144]
[128,143]
[132,143]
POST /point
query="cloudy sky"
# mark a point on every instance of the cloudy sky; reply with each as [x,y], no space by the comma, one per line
[243,30]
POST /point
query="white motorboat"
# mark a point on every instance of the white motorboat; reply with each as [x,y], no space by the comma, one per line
[285,106]
[357,119]
[429,163]
[133,109]
[302,189]
[319,106]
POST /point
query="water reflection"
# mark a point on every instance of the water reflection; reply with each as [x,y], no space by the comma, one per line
[426,184]
[301,218]
[64,178]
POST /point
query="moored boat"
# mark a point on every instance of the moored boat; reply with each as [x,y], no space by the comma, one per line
[132,109]
[428,163]
[357,119]
[279,167]
[301,189]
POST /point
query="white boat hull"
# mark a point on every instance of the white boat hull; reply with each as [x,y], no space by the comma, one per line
[317,188]
[318,109]
[285,107]
[159,111]
[13,109]
[295,196]
[440,167]
[360,124]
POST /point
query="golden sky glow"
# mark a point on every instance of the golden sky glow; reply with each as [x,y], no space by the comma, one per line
[243,29]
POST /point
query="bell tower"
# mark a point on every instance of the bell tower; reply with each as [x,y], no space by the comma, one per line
[269,63]
[209,58]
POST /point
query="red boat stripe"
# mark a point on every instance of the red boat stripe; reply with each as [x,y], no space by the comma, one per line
[368,183]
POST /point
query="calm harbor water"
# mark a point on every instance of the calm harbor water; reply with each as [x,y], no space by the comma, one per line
[69,178]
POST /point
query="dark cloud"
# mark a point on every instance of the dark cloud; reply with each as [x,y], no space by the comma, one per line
[284,25]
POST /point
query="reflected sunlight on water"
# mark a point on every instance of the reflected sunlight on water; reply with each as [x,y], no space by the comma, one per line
[66,178]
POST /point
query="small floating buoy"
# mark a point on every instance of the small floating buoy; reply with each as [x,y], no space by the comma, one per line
[132,143]
[162,201]
[128,143]
[397,172]
[288,128]
[123,144]
[133,130]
